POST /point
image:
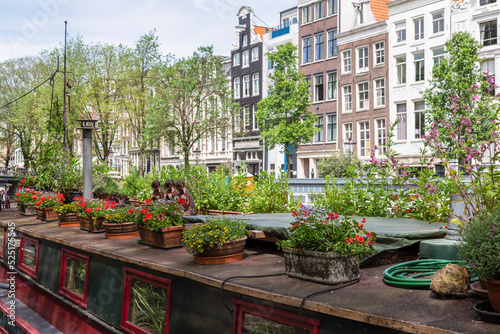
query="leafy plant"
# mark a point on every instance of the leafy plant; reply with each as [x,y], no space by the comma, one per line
[271,194]
[213,233]
[158,214]
[26,196]
[149,305]
[337,165]
[323,231]
[68,208]
[93,208]
[102,182]
[49,200]
[120,216]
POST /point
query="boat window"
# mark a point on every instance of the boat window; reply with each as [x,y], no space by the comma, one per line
[28,256]
[74,277]
[3,236]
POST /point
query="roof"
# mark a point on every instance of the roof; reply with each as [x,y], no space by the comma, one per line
[260,31]
[379,9]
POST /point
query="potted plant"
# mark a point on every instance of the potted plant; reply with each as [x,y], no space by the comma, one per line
[67,213]
[45,205]
[159,223]
[93,215]
[324,247]
[26,199]
[219,240]
[120,224]
[480,250]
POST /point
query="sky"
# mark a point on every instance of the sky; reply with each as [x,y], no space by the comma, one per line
[30,26]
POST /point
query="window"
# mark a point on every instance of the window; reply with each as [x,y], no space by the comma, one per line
[362,59]
[307,14]
[332,6]
[419,28]
[363,96]
[246,116]
[488,33]
[346,61]
[255,84]
[308,81]
[245,55]
[379,53]
[319,43]
[244,40]
[401,117]
[3,237]
[319,10]
[419,119]
[145,292]
[74,277]
[236,59]
[306,50]
[331,128]
[488,70]
[237,88]
[380,92]
[347,93]
[255,53]
[400,32]
[318,88]
[28,256]
[419,62]
[364,139]
[246,86]
[332,43]
[237,122]
[318,137]
[254,120]
[270,64]
[348,133]
[437,55]
[487,2]
[381,136]
[437,22]
[401,70]
[332,85]
[250,316]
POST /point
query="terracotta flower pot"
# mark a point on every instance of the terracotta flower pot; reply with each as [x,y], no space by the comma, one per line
[121,231]
[91,225]
[326,268]
[166,237]
[230,251]
[494,294]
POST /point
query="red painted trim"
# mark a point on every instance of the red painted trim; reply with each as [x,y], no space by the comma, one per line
[20,322]
[130,274]
[82,301]
[28,270]
[242,307]
[4,231]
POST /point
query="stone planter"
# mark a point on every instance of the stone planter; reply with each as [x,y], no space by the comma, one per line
[26,209]
[167,237]
[120,231]
[230,251]
[91,225]
[326,268]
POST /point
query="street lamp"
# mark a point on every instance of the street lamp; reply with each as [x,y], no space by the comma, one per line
[87,125]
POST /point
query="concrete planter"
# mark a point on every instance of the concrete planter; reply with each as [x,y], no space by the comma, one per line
[326,268]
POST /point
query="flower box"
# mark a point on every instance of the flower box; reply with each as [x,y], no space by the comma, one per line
[46,214]
[26,209]
[120,231]
[166,237]
[68,220]
[326,268]
[230,251]
[91,225]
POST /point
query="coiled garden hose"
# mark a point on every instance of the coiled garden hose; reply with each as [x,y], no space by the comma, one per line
[407,274]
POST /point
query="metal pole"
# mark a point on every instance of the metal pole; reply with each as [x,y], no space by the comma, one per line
[87,163]
[64,84]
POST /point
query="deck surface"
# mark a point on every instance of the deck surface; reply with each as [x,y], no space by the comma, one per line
[369,301]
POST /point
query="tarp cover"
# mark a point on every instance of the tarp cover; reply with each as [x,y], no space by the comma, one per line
[392,233]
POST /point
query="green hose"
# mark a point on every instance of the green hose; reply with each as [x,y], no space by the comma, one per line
[407,274]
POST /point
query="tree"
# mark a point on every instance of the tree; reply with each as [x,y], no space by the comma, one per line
[459,93]
[283,116]
[192,101]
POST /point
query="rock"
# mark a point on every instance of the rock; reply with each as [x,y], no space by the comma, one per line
[452,280]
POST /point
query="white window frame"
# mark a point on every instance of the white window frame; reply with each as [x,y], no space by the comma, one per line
[331,127]
[348,132]
[255,124]
[244,40]
[255,83]
[319,136]
[401,70]
[306,14]
[331,85]
[420,113]
[347,99]
[402,126]
[482,30]
[346,61]
[362,59]
[363,95]
[364,138]
[245,61]
[317,84]
[437,55]
[237,87]
[255,53]
[419,66]
[381,133]
[332,43]
[319,46]
[400,32]
[246,86]
[246,115]
[379,53]
[418,26]
[332,7]
[379,92]
[309,49]
[319,10]
[236,59]
[438,22]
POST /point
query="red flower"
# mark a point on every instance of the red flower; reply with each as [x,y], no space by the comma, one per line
[130,210]
[17,194]
[24,195]
[294,213]
[408,210]
[106,206]
[349,240]
[359,239]
[363,221]
[98,209]
[148,201]
[88,210]
[333,215]
[371,243]
[360,226]
[144,210]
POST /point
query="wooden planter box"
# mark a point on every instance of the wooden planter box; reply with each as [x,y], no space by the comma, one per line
[121,231]
[167,237]
[47,214]
[26,209]
[68,220]
[91,225]
[230,251]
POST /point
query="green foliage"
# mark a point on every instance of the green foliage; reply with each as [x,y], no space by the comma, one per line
[26,196]
[480,248]
[132,184]
[213,233]
[158,214]
[337,165]
[323,231]
[271,194]
[120,215]
[93,208]
[283,117]
[68,208]
[148,308]
[102,182]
